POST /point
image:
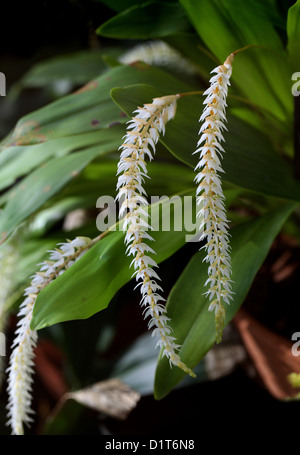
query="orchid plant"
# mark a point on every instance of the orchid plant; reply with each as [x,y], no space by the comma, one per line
[97,140]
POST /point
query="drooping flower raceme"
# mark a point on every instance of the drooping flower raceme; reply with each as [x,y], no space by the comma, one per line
[210,197]
[21,367]
[140,141]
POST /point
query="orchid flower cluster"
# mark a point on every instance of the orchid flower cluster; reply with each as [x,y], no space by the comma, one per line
[210,197]
[140,141]
[143,132]
[21,367]
[142,135]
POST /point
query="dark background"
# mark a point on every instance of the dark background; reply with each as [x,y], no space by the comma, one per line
[33,31]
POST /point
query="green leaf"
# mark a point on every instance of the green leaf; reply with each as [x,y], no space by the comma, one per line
[32,192]
[144,21]
[89,285]
[62,72]
[293,31]
[136,367]
[167,178]
[99,178]
[74,122]
[17,161]
[249,161]
[261,73]
[88,109]
[193,49]
[193,324]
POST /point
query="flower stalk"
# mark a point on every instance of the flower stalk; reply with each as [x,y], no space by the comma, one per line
[210,197]
[140,142]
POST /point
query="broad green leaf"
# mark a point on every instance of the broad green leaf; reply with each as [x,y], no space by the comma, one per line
[17,161]
[62,73]
[165,177]
[74,122]
[187,306]
[136,367]
[68,420]
[261,73]
[151,19]
[193,49]
[88,109]
[34,190]
[293,31]
[33,248]
[56,210]
[249,161]
[88,286]
[99,178]
[277,12]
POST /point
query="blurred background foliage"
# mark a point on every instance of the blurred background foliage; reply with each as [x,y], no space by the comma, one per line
[72,81]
